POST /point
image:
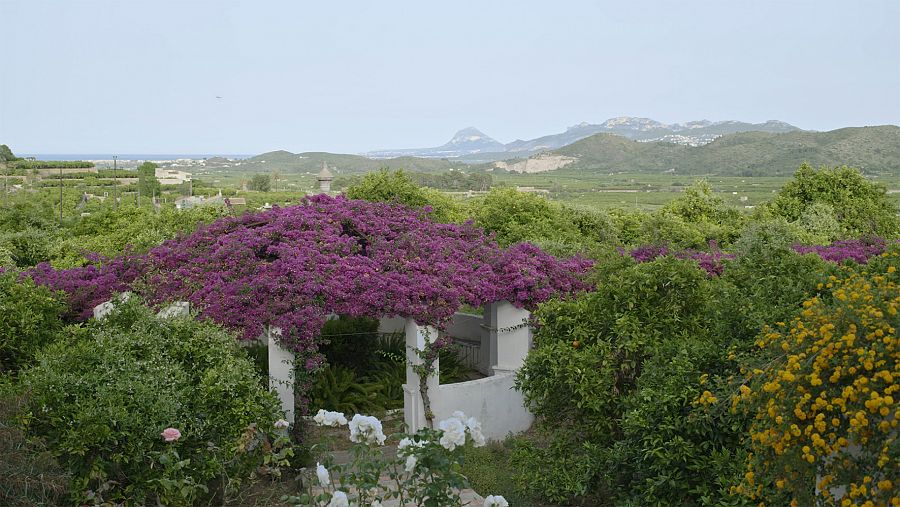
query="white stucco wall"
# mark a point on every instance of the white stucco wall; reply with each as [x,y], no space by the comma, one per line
[467,326]
[492,400]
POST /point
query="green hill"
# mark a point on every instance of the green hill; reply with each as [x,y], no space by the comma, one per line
[871,149]
[287,162]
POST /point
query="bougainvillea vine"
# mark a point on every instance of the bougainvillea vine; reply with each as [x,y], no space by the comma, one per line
[291,267]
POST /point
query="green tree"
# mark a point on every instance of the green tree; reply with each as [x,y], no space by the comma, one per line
[385,185]
[148,185]
[389,186]
[612,376]
[260,183]
[521,216]
[6,155]
[860,207]
[702,214]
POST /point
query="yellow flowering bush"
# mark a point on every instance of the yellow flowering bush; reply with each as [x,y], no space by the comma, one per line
[825,409]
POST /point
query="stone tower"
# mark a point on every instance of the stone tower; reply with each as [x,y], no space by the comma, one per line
[324,179]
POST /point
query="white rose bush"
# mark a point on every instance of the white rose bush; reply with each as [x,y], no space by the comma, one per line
[424,471]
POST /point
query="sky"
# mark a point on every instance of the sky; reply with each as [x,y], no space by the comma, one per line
[143,76]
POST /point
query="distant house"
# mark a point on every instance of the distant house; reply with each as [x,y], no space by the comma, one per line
[171,176]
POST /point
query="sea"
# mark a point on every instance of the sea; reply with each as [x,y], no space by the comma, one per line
[128,156]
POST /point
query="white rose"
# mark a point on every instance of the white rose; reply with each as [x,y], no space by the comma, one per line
[366,429]
[376,503]
[322,473]
[339,499]
[335,419]
[411,463]
[326,418]
[454,433]
[475,430]
[495,501]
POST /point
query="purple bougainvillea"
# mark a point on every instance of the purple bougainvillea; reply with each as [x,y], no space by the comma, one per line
[856,250]
[290,267]
[711,261]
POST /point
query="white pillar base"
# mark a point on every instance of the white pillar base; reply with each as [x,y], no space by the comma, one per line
[413,406]
[281,373]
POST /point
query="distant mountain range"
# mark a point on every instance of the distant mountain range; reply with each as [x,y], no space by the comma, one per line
[871,149]
[473,145]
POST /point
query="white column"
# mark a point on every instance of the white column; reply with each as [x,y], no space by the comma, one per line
[281,372]
[510,338]
[487,355]
[413,406]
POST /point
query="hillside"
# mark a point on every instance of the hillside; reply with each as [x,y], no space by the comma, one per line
[472,145]
[693,133]
[872,149]
[311,162]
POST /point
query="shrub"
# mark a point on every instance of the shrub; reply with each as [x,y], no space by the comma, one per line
[388,186]
[766,282]
[520,216]
[708,213]
[28,247]
[665,227]
[824,413]
[102,399]
[29,475]
[29,320]
[397,187]
[614,374]
[859,206]
[820,222]
[339,388]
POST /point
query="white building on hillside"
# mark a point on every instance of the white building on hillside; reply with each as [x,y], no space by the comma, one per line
[171,176]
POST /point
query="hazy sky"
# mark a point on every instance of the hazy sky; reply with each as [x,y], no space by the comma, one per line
[142,76]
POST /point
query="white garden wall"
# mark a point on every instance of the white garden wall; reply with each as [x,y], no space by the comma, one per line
[492,400]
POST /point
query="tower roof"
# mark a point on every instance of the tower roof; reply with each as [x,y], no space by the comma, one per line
[325,174]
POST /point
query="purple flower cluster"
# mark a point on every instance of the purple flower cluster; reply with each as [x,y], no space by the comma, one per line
[90,285]
[290,267]
[710,261]
[856,250]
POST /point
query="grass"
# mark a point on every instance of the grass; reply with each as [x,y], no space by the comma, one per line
[490,472]
[29,476]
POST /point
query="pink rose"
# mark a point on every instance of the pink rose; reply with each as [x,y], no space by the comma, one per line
[170,434]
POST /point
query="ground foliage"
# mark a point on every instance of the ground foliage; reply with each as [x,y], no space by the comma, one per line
[101,397]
